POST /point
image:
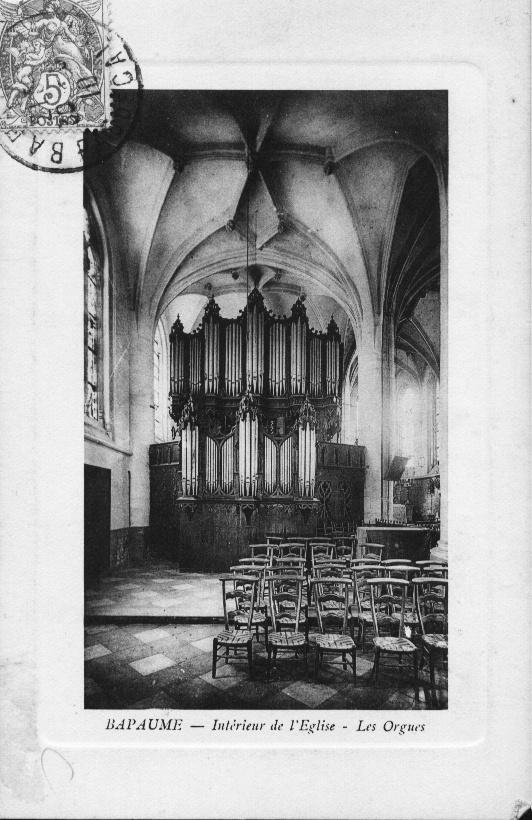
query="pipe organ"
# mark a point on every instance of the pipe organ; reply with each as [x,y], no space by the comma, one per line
[265,379]
[253,398]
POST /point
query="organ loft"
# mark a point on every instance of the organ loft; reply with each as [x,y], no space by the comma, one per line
[256,409]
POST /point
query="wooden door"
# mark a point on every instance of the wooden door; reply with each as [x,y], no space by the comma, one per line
[97,521]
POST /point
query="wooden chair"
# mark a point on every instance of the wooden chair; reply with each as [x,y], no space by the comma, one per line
[331,595]
[236,640]
[372,551]
[407,573]
[260,616]
[285,595]
[431,603]
[360,609]
[383,608]
[321,551]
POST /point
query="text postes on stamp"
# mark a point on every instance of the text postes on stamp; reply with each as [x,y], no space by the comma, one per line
[59,66]
[52,64]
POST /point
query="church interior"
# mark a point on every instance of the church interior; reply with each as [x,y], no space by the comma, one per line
[265,415]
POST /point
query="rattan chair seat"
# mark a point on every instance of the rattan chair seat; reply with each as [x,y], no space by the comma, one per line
[390,644]
[289,640]
[330,642]
[435,641]
[237,638]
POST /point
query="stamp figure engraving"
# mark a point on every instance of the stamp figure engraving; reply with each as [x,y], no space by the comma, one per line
[52,71]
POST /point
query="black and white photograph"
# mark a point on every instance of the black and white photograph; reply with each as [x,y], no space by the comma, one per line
[265,409]
[264,404]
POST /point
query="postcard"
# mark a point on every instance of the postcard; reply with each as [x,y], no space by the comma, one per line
[266,332]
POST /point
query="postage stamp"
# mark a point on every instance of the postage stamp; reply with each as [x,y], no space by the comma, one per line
[60,63]
[52,64]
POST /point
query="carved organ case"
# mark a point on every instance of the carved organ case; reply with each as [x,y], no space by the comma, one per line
[251,397]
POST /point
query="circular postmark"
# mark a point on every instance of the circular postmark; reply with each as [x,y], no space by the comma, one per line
[70,87]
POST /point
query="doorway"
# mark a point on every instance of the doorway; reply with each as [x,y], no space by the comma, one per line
[97,522]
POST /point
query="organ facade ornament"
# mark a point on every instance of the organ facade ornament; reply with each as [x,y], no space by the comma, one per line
[251,397]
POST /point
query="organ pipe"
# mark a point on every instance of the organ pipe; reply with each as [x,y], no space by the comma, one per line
[298,348]
[195,364]
[255,342]
[233,358]
[227,464]
[307,449]
[277,377]
[248,432]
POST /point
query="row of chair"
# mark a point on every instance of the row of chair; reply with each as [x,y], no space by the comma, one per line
[379,596]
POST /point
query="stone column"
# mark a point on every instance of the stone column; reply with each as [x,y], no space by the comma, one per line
[141,426]
[440,552]
[388,411]
[370,418]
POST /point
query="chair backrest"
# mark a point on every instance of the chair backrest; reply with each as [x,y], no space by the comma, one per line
[255,568]
[372,550]
[296,549]
[365,561]
[331,597]
[320,550]
[344,548]
[431,596]
[433,568]
[241,591]
[385,603]
[274,539]
[293,561]
[285,593]
[361,574]
[390,562]
[257,550]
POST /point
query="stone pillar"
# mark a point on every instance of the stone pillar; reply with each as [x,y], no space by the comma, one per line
[440,552]
[141,419]
[388,411]
[370,419]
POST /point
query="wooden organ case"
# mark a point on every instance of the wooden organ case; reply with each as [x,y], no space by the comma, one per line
[255,400]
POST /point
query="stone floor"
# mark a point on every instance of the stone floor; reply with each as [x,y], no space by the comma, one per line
[158,661]
[159,591]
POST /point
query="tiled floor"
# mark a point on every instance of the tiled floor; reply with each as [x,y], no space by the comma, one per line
[138,667]
[160,591]
[156,661]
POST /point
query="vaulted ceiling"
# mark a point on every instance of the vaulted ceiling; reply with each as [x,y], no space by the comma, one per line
[331,195]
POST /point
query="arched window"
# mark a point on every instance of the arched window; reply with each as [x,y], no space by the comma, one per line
[96,319]
[160,384]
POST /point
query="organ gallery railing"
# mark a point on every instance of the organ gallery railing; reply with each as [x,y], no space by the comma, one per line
[251,396]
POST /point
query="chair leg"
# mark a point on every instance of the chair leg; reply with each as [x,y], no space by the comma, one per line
[416,676]
[214,656]
[227,654]
[422,658]
[431,667]
[316,663]
[344,661]
[354,662]
[376,665]
[268,664]
[250,658]
[266,635]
